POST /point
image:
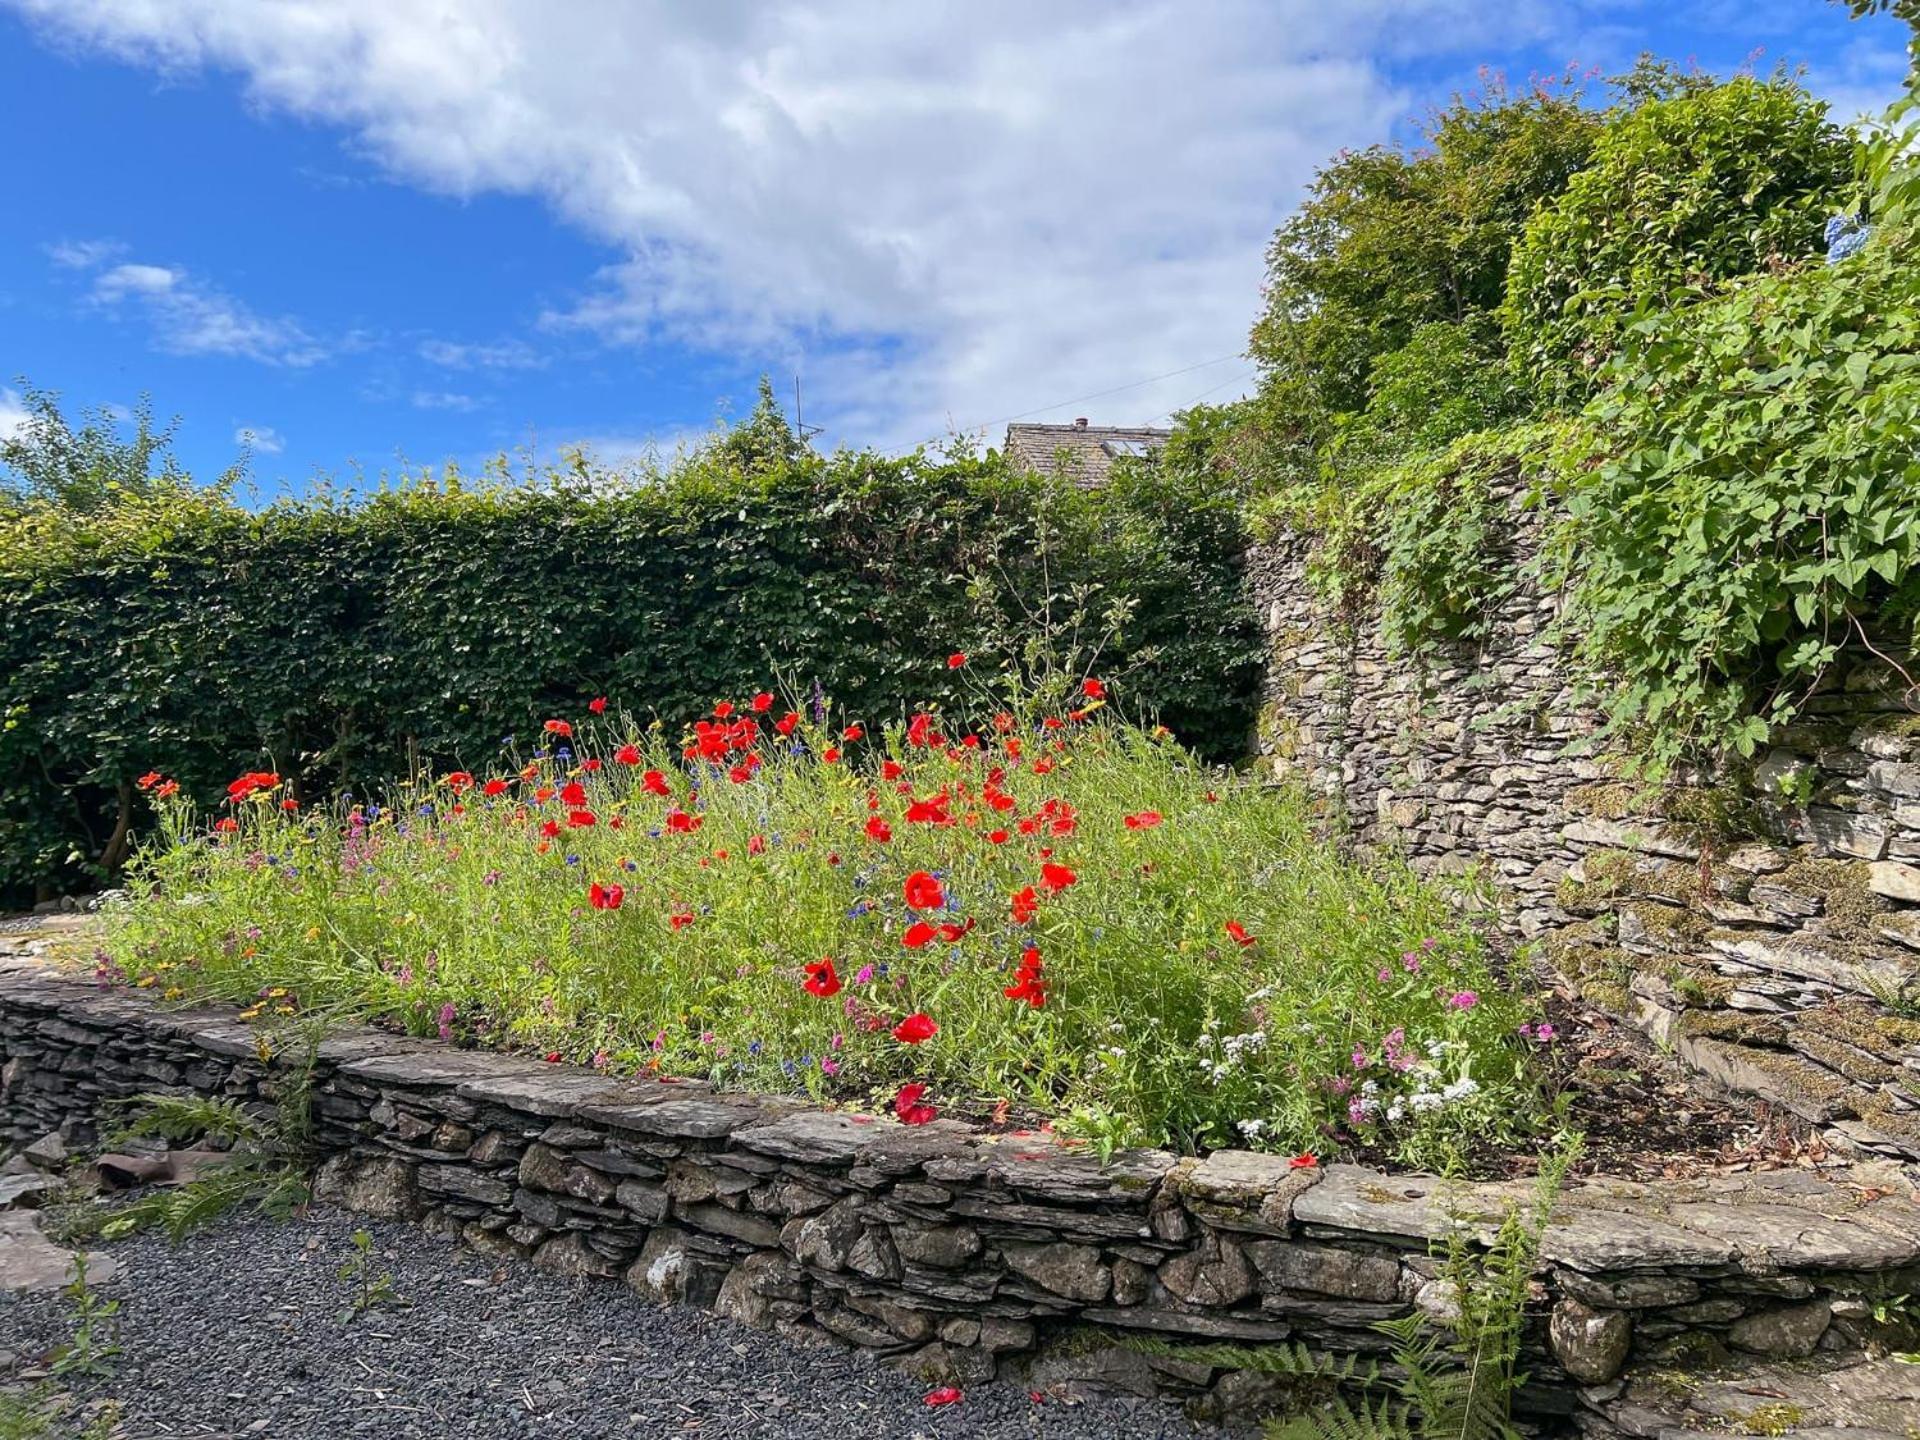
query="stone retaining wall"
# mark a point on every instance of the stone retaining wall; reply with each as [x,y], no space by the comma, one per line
[1757,922]
[964,1255]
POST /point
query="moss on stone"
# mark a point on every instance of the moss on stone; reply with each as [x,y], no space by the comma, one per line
[1715,815]
[1672,927]
[1857,1065]
[1741,1026]
[1883,1115]
[1606,799]
[1862,1026]
[1797,1078]
[1842,886]
[1699,987]
[1779,1418]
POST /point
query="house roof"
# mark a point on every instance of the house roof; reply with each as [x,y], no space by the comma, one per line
[1084,453]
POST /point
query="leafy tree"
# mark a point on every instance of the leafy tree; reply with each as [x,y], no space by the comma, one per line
[1681,195]
[1391,240]
[96,465]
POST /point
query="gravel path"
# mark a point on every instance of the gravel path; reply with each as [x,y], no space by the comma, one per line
[238,1333]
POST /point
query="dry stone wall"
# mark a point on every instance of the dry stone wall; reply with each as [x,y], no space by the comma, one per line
[1764,921]
[963,1255]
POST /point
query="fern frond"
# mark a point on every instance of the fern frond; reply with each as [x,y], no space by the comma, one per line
[1339,1419]
[1292,1360]
[185,1117]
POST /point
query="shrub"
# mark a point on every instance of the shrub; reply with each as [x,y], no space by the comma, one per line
[341,643]
[1096,926]
[1679,196]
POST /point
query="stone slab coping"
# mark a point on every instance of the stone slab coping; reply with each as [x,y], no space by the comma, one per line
[1863,1217]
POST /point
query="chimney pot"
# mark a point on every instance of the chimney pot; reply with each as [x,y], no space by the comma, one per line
[1080,423]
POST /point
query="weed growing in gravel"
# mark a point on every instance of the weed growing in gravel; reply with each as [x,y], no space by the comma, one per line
[92,1349]
[372,1286]
[1050,909]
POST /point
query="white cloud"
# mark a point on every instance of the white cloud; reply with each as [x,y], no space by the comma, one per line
[948,211]
[443,400]
[190,317]
[500,355]
[261,439]
[83,254]
[13,413]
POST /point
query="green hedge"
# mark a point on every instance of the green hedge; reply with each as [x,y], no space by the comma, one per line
[346,643]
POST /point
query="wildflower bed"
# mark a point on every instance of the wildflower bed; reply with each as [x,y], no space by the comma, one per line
[1059,913]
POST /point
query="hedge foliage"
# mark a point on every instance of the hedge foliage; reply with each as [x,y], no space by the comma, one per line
[346,643]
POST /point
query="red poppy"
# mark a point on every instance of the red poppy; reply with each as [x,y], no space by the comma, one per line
[723,709]
[493,788]
[998,837]
[762,703]
[560,728]
[951,932]
[853,733]
[923,892]
[681,823]
[679,919]
[290,805]
[250,782]
[550,829]
[891,770]
[915,1029]
[1239,933]
[878,829]
[226,824]
[822,980]
[552,1057]
[573,793]
[581,819]
[166,788]
[1093,689]
[598,705]
[956,660]
[1145,820]
[918,934]
[907,1106]
[627,755]
[654,783]
[786,723]
[1307,1160]
[148,780]
[1055,878]
[1027,984]
[605,897]
[590,764]
[543,794]
[945,1395]
[830,755]
[1026,904]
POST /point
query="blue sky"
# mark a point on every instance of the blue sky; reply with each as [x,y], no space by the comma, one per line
[373,232]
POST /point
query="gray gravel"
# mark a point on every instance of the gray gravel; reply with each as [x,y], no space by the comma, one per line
[237,1333]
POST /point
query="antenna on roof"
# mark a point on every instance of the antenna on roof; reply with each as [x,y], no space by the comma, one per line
[801,428]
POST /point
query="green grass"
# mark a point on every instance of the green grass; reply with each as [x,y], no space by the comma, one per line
[453,911]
